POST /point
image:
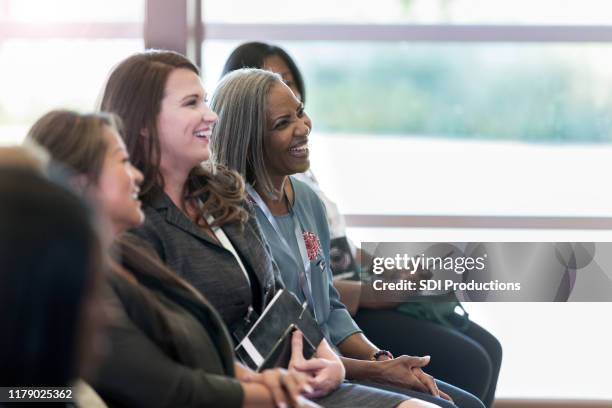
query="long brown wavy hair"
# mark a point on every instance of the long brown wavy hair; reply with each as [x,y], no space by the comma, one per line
[134,92]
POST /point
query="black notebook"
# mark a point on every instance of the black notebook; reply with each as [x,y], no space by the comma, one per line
[268,342]
[342,261]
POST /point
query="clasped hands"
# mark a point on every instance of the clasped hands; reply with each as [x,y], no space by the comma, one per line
[312,378]
[406,371]
[325,370]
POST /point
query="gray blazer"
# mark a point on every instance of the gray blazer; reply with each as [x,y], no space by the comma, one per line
[209,267]
[335,321]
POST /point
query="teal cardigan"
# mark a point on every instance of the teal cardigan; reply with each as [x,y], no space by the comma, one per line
[335,321]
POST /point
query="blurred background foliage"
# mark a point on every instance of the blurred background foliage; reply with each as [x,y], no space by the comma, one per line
[540,93]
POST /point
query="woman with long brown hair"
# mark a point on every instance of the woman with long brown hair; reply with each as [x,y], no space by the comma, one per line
[160,99]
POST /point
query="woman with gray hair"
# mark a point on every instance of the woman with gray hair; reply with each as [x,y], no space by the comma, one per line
[262,133]
[463,352]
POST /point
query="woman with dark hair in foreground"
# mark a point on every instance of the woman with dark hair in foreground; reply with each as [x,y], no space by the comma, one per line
[50,267]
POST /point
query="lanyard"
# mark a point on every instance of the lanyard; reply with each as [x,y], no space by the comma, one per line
[304,275]
[227,244]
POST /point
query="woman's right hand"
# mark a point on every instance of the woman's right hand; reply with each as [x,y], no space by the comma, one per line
[326,374]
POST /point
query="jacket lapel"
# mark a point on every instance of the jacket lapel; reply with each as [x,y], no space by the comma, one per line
[242,240]
[176,217]
[243,243]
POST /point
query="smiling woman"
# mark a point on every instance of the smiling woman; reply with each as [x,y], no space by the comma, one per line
[267,149]
[90,146]
[185,123]
[249,154]
[287,149]
[160,98]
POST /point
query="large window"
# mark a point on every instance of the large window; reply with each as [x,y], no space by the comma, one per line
[57,54]
[450,107]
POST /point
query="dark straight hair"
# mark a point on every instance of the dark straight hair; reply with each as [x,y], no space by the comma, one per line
[253,55]
[50,257]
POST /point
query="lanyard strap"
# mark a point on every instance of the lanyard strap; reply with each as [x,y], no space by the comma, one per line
[304,274]
[227,244]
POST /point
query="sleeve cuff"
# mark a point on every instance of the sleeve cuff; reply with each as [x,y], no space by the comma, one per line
[341,325]
[230,391]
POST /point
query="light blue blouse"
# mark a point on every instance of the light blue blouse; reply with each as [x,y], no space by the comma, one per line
[335,321]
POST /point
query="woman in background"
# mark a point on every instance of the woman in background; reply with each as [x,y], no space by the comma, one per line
[469,358]
[168,347]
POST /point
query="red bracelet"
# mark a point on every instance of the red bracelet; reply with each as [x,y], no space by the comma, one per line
[379,353]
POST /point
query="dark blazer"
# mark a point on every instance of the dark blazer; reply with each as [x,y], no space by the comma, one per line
[167,347]
[189,251]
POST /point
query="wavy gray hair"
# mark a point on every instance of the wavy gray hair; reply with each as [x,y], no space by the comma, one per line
[237,139]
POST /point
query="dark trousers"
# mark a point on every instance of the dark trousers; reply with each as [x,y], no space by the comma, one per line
[469,360]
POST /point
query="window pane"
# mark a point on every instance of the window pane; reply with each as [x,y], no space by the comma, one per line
[412,11]
[73,10]
[387,175]
[528,92]
[36,76]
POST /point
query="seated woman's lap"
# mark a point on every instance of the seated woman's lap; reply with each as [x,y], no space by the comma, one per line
[352,395]
[462,399]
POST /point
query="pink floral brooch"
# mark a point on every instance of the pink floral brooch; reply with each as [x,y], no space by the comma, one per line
[313,245]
